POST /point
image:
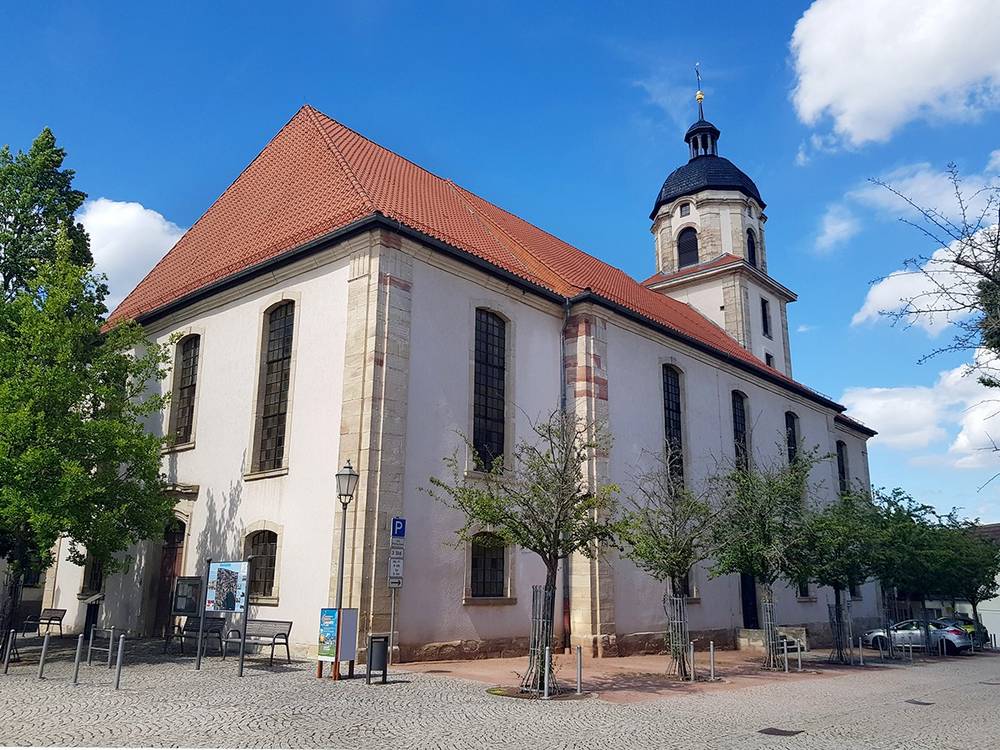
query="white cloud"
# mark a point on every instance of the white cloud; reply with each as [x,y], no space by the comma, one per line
[837,226]
[957,415]
[872,66]
[127,239]
[805,328]
[666,92]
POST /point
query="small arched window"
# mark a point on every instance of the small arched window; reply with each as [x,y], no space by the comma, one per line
[843,475]
[792,435]
[263,546]
[488,566]
[741,444]
[751,248]
[687,247]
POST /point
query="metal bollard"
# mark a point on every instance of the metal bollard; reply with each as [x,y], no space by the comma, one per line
[76,661]
[691,652]
[10,647]
[711,661]
[90,646]
[911,652]
[881,653]
[121,657]
[579,670]
[798,655]
[548,655]
[45,651]
[784,648]
[111,644]
[861,652]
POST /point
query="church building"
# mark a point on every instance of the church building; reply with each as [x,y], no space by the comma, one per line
[338,302]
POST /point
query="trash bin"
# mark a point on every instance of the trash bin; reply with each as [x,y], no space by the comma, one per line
[377,659]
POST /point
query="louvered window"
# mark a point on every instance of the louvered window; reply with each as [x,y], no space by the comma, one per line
[687,247]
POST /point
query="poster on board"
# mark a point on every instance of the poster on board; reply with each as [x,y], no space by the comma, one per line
[326,650]
[187,595]
[227,587]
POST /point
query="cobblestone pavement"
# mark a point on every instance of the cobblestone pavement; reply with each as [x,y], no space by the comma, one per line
[167,703]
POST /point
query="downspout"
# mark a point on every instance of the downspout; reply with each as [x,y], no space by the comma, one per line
[562,407]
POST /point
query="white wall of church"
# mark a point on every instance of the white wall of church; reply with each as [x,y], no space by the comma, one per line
[299,504]
[439,409]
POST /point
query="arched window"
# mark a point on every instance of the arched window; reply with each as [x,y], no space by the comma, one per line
[276,376]
[687,247]
[187,383]
[843,475]
[672,420]
[489,391]
[262,548]
[751,248]
[488,573]
[741,445]
[792,435]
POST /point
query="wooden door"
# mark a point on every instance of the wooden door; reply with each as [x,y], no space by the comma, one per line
[170,569]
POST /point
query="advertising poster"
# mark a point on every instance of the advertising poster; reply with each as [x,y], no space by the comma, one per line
[227,587]
[327,634]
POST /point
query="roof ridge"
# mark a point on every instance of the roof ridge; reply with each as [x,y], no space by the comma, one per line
[496,228]
[340,158]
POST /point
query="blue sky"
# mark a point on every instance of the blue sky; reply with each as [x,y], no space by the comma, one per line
[570,115]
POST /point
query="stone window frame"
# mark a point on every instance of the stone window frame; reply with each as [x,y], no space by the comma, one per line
[807,587]
[680,209]
[174,389]
[504,311]
[86,590]
[510,592]
[843,467]
[793,428]
[766,318]
[747,429]
[251,471]
[250,530]
[673,363]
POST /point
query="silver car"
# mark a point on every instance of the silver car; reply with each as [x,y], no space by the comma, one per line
[911,633]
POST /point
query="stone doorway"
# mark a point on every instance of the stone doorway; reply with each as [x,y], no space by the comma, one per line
[171,558]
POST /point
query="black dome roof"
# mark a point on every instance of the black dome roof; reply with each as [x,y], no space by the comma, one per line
[708,172]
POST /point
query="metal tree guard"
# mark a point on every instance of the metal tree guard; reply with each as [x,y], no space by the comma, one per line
[541,636]
[842,630]
[890,616]
[771,656]
[677,635]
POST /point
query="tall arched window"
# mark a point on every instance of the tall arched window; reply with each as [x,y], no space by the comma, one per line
[672,420]
[843,475]
[687,247]
[488,573]
[263,546]
[751,248]
[187,382]
[792,435]
[276,375]
[741,445]
[489,388]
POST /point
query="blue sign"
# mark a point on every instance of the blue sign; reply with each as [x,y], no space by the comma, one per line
[399,527]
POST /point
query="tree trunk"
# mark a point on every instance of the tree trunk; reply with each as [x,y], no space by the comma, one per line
[771,660]
[839,631]
[675,609]
[975,623]
[11,598]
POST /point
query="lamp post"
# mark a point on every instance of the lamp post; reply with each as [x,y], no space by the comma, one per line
[347,483]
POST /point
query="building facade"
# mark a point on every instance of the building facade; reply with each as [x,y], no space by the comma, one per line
[339,302]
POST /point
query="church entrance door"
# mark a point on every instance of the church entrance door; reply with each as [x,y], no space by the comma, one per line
[748,598]
[170,569]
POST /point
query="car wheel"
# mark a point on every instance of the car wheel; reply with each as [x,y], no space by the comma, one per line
[950,648]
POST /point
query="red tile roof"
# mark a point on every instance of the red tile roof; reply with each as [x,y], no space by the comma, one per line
[316,176]
[717,262]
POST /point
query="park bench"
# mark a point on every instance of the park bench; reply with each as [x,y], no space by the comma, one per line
[214,627]
[47,617]
[262,633]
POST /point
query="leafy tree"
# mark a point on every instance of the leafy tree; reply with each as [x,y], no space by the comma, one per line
[761,524]
[37,201]
[666,530]
[970,566]
[75,459]
[837,549]
[542,502]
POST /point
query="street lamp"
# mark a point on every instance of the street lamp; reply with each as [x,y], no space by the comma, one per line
[347,483]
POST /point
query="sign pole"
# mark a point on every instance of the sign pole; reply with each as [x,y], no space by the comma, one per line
[392,628]
[201,618]
[246,616]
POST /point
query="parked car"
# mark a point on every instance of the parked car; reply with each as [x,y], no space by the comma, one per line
[982,635]
[911,633]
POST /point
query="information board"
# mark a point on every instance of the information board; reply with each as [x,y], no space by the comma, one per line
[187,595]
[326,650]
[227,587]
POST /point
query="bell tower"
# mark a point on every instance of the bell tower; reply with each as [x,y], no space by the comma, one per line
[708,230]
